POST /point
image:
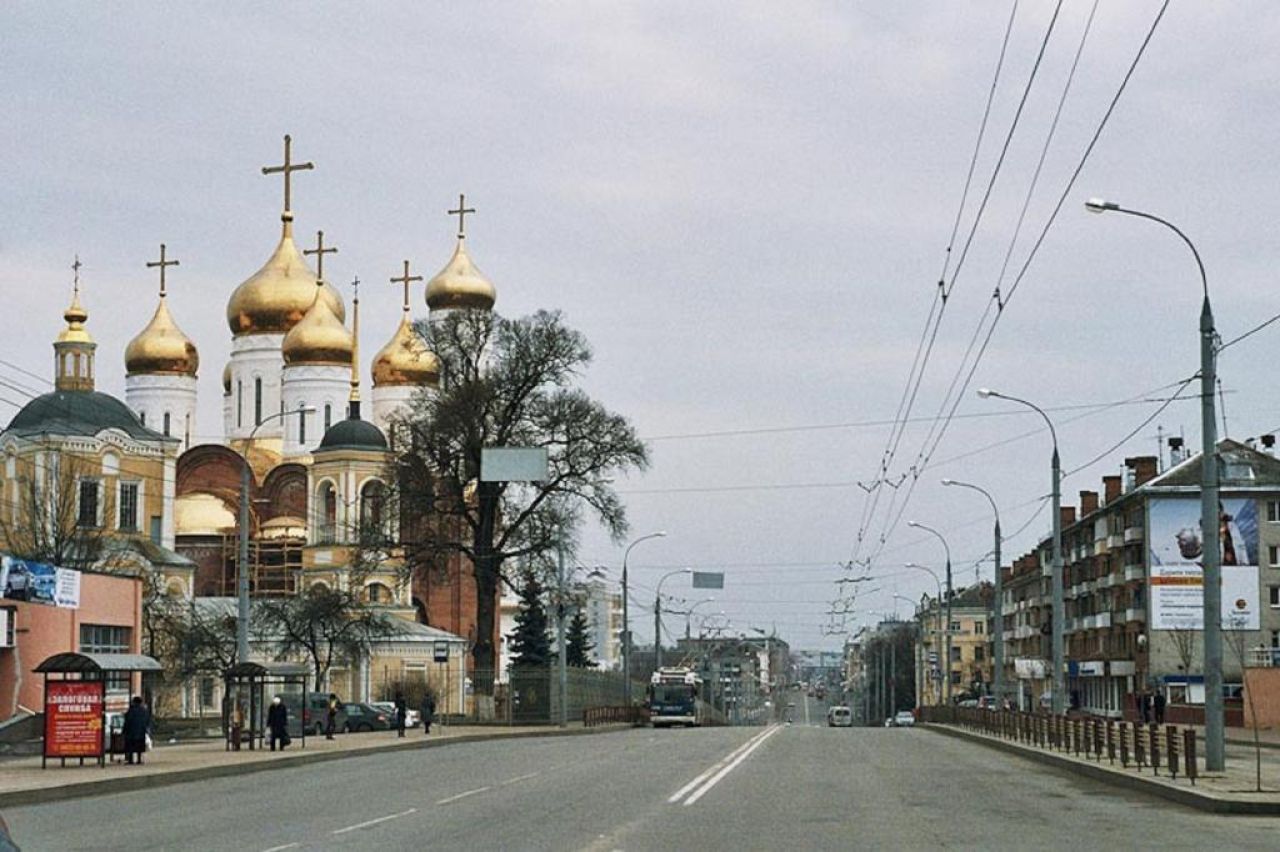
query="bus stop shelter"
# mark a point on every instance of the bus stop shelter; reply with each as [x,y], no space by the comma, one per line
[245,709]
[75,702]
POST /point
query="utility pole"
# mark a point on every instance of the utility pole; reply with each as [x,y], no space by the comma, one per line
[563,661]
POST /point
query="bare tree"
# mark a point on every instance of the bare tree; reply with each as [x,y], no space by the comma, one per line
[506,382]
[325,625]
[59,511]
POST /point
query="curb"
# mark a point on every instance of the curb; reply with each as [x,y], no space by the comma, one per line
[1201,801]
[110,786]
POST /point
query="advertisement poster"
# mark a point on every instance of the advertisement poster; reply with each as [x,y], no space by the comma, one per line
[36,582]
[73,719]
[1177,581]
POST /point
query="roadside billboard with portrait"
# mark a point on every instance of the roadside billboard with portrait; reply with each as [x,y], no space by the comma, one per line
[1176,575]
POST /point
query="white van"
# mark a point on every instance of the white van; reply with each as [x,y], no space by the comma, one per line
[839,717]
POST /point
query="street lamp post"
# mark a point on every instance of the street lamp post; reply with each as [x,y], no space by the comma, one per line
[937,611]
[997,593]
[1211,555]
[626,625]
[946,681]
[1055,571]
[657,615]
[242,580]
[688,614]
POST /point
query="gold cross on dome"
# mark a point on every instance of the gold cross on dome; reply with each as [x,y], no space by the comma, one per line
[320,251]
[287,170]
[161,263]
[405,280]
[461,213]
[75,268]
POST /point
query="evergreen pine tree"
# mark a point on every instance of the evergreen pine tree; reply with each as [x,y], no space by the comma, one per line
[578,642]
[530,642]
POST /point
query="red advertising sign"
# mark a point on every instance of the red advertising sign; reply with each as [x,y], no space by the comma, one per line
[73,718]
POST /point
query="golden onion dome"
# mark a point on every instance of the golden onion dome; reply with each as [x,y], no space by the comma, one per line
[161,348]
[226,379]
[405,360]
[202,514]
[276,297]
[319,338]
[76,316]
[460,284]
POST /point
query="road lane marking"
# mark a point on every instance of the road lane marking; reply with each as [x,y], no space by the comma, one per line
[368,823]
[719,776]
[683,791]
[282,848]
[520,778]
[463,795]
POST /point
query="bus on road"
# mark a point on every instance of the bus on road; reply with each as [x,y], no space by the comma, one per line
[675,697]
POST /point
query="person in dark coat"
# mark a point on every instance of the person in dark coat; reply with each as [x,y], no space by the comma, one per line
[278,723]
[137,721]
[428,712]
[1158,704]
[331,717]
[402,711]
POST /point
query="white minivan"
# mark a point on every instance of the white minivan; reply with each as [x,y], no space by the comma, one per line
[840,717]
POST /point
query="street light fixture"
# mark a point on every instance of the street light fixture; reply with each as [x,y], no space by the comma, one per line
[1055,574]
[997,593]
[946,681]
[657,615]
[689,613]
[937,612]
[626,625]
[1215,732]
[242,581]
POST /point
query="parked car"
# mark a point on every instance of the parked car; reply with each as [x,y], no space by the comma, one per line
[314,714]
[366,717]
[839,716]
[904,719]
[411,717]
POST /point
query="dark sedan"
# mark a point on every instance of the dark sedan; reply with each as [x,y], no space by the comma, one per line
[366,717]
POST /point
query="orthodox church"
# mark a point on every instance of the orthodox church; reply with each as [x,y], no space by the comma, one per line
[291,410]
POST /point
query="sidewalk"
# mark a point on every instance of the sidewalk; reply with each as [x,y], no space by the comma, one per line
[1229,792]
[23,782]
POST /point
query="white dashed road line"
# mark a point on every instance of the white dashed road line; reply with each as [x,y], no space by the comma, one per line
[520,778]
[368,823]
[463,795]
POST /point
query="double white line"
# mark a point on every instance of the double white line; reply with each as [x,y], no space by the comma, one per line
[698,787]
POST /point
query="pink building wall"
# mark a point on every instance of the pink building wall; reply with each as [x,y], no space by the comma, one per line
[42,630]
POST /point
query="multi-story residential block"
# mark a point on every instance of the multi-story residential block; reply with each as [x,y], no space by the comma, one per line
[1133,588]
[969,665]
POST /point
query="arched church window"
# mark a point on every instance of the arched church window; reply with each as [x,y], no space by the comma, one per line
[257,401]
[166,424]
[377,593]
[327,506]
[328,416]
[372,498]
[239,403]
[302,423]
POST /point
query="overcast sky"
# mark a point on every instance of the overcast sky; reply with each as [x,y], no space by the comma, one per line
[744,206]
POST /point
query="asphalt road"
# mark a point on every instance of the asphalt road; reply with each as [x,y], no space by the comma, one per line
[797,787]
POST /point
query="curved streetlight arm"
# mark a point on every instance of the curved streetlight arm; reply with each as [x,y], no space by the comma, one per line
[984,492]
[1097,205]
[946,547]
[1053,433]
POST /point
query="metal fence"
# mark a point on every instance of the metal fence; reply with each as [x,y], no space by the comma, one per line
[1133,744]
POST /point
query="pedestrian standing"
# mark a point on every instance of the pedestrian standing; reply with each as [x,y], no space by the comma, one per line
[1144,706]
[1158,702]
[137,721]
[428,712]
[402,711]
[331,717]
[278,722]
